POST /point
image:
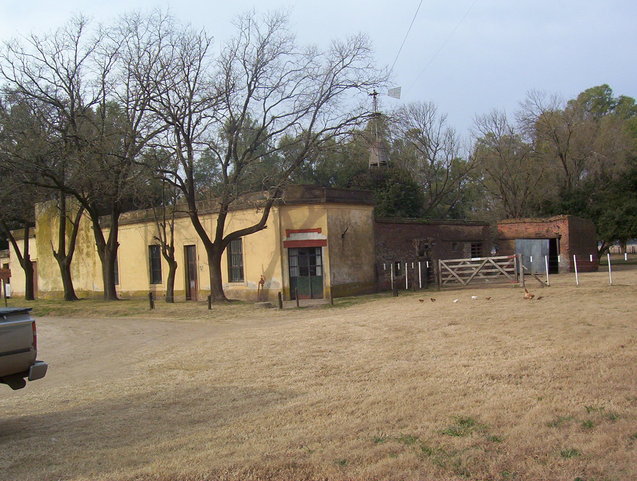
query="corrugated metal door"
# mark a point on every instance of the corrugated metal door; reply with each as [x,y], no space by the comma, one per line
[533,252]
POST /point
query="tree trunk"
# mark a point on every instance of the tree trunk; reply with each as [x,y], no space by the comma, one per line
[109,256]
[67,281]
[24,258]
[170,282]
[216,282]
[27,266]
[107,251]
[64,254]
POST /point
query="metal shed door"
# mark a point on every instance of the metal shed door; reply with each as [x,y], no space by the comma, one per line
[533,252]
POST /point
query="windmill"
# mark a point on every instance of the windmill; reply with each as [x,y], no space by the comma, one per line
[378,156]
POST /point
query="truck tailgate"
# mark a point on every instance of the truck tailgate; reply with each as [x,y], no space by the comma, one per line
[17,351]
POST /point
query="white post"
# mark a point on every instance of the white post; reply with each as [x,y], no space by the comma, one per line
[610,271]
[419,275]
[406,276]
[546,263]
[391,275]
[591,257]
[626,256]
[575,265]
[384,267]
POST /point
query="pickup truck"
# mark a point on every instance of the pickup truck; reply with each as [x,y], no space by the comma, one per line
[18,348]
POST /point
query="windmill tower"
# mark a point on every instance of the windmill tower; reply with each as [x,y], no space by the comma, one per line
[378,156]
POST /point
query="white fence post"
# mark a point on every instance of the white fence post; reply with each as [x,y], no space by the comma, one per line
[575,265]
[406,276]
[391,275]
[419,275]
[546,263]
[610,271]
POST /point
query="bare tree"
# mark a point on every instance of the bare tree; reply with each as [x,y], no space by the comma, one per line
[93,93]
[430,150]
[262,97]
[510,171]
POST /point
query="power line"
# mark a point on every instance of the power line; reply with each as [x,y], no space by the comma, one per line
[444,44]
[406,35]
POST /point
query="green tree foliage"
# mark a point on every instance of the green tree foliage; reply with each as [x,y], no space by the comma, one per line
[396,193]
[574,158]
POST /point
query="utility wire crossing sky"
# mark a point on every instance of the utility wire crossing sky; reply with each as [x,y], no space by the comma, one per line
[468,57]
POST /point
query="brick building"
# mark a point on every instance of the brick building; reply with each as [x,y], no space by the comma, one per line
[404,244]
[559,238]
[409,247]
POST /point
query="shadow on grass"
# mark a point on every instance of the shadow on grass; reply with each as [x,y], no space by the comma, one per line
[124,434]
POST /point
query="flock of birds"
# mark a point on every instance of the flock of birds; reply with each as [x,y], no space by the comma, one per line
[527,296]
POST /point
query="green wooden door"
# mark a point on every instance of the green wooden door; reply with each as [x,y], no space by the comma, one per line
[306,272]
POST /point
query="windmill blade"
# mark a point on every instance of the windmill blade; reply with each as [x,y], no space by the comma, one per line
[394,93]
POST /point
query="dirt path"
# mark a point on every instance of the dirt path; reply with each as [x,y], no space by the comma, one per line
[81,350]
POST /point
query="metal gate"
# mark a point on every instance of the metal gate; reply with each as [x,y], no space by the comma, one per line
[464,271]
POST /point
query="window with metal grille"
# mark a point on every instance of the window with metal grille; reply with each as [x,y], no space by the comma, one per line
[235,261]
[476,249]
[154,263]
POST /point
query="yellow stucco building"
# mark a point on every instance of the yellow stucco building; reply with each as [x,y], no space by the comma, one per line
[318,242]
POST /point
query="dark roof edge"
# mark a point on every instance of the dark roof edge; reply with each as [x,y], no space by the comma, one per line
[410,220]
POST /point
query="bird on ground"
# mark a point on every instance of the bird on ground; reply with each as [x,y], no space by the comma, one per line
[421,300]
[488,298]
[527,295]
[455,300]
[433,299]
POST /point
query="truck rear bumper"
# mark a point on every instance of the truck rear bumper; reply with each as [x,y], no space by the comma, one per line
[37,370]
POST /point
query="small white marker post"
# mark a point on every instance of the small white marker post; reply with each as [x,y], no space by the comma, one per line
[610,271]
[419,275]
[591,257]
[575,265]
[391,275]
[406,276]
[546,264]
[626,256]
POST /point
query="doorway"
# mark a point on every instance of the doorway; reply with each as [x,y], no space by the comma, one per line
[190,257]
[536,252]
[306,272]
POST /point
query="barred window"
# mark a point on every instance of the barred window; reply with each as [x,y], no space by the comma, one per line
[476,249]
[235,261]
[154,263]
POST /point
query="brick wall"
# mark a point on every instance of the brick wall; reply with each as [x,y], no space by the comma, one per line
[576,236]
[402,240]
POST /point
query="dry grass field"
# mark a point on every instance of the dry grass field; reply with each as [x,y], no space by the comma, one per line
[376,389]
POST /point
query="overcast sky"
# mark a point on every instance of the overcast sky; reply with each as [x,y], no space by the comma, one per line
[466,56]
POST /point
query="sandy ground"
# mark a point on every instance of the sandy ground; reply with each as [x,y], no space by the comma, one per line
[393,388]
